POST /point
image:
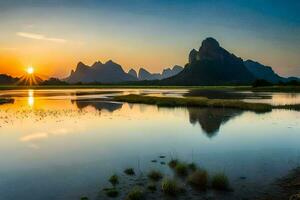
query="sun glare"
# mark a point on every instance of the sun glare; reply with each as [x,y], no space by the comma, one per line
[30,70]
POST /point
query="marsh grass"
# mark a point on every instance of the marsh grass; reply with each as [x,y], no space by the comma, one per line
[198,179]
[192,166]
[114,180]
[151,187]
[220,182]
[172,164]
[155,175]
[137,193]
[129,171]
[111,192]
[170,187]
[181,169]
[193,102]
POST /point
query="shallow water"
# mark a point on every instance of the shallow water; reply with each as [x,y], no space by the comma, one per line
[63,144]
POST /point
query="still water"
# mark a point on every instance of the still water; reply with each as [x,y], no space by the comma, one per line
[63,144]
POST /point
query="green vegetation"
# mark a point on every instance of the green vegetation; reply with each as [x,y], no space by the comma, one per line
[114,180]
[181,169]
[198,179]
[172,164]
[170,187]
[201,102]
[84,198]
[220,182]
[192,166]
[111,192]
[137,193]
[151,187]
[155,175]
[129,171]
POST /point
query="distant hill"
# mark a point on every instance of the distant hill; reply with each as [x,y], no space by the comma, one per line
[146,75]
[110,72]
[7,80]
[212,65]
[261,71]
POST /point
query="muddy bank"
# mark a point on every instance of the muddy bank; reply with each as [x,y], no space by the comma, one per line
[285,188]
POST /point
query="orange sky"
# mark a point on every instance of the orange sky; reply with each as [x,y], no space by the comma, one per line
[54,36]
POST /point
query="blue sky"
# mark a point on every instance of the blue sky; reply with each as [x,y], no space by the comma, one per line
[146,33]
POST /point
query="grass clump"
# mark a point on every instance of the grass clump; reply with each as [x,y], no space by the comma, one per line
[114,180]
[220,182]
[181,169]
[192,166]
[129,171]
[137,193]
[172,164]
[151,187]
[170,187]
[111,192]
[198,179]
[155,175]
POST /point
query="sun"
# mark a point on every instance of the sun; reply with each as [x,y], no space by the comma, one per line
[30,70]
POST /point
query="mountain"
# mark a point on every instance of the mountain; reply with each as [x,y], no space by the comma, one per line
[110,72]
[171,72]
[211,65]
[261,71]
[166,73]
[133,73]
[145,75]
[7,80]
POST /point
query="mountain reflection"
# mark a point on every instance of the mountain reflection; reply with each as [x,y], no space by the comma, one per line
[99,105]
[211,119]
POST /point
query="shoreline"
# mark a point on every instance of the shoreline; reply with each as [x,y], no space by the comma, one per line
[202,102]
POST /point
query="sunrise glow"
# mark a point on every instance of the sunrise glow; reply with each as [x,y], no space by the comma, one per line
[30,70]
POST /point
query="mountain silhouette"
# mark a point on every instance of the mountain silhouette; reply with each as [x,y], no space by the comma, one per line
[8,80]
[133,73]
[110,72]
[146,75]
[261,71]
[212,65]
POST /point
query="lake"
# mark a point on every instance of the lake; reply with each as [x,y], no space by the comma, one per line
[64,144]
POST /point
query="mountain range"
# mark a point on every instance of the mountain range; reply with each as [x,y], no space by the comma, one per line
[210,65]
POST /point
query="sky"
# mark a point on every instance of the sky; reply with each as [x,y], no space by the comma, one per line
[54,35]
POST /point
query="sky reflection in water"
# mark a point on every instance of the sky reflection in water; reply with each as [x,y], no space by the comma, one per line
[64,146]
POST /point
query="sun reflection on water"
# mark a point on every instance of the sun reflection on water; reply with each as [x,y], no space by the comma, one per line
[30,98]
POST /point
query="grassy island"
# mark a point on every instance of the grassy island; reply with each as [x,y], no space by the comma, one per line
[201,102]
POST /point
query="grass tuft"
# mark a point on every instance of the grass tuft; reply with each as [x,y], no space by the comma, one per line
[220,182]
[155,175]
[114,180]
[111,192]
[137,193]
[199,179]
[170,187]
[181,169]
[151,187]
[192,166]
[129,171]
[172,164]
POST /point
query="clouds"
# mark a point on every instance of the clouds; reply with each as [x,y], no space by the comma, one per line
[36,36]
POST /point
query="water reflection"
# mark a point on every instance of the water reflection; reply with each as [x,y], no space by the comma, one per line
[98,105]
[30,98]
[211,119]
